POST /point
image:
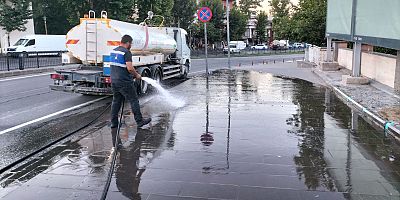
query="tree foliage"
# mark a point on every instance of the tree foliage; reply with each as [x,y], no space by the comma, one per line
[281,21]
[261,27]
[158,7]
[249,6]
[14,15]
[309,21]
[56,17]
[238,21]
[304,23]
[183,12]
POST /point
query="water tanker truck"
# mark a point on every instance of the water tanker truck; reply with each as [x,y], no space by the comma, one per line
[158,52]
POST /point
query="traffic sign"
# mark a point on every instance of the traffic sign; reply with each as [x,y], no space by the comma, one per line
[204,14]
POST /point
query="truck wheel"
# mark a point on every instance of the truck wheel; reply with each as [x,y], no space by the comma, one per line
[143,86]
[157,76]
[185,69]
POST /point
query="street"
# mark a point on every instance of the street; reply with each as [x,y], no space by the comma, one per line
[243,134]
[26,99]
[137,100]
[28,104]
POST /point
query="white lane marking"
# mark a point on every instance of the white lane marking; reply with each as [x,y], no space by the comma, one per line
[22,77]
[289,61]
[51,115]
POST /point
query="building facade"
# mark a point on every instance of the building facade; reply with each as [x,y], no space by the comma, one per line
[250,36]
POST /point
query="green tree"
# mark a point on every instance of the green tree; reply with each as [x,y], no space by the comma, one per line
[261,26]
[56,17]
[309,22]
[281,21]
[238,21]
[183,12]
[249,6]
[158,7]
[14,15]
[117,9]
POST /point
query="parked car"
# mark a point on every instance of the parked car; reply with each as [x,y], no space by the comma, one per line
[280,44]
[260,47]
[37,43]
[298,45]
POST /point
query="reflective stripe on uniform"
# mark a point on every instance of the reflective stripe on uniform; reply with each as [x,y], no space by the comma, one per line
[118,64]
[117,58]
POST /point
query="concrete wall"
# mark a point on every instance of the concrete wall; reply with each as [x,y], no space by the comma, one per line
[375,66]
[345,58]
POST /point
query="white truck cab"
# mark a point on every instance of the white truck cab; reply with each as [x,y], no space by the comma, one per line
[39,43]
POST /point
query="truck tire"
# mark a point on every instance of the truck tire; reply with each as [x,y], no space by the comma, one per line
[143,86]
[185,69]
[157,76]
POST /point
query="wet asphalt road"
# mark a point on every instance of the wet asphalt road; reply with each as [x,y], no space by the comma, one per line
[27,99]
[243,136]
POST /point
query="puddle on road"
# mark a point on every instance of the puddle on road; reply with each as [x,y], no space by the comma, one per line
[249,135]
[244,135]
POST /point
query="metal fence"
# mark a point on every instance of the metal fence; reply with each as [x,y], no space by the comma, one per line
[244,52]
[21,61]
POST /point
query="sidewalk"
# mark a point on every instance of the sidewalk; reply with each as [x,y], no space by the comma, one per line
[250,135]
[377,98]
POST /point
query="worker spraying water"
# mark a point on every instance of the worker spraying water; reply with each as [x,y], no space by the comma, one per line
[171,100]
[123,86]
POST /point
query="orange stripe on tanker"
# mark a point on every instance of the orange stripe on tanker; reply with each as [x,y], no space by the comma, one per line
[113,43]
[72,41]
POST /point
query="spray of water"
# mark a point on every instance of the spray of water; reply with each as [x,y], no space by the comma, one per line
[178,103]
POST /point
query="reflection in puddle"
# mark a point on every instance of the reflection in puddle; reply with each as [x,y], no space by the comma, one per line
[257,130]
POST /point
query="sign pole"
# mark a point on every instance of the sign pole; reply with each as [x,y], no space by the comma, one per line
[228,34]
[206,46]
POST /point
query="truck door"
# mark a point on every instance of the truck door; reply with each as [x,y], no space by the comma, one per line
[30,45]
[178,39]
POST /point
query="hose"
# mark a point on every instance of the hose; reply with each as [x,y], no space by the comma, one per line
[114,156]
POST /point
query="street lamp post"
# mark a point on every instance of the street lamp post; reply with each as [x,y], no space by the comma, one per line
[45,23]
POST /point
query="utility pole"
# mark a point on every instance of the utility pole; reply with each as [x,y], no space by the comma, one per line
[228,34]
[45,23]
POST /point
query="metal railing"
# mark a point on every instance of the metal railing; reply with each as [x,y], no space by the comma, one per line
[245,52]
[20,61]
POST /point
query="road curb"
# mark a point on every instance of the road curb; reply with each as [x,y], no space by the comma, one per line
[35,70]
[363,111]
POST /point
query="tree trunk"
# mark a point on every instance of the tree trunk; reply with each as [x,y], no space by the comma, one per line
[8,39]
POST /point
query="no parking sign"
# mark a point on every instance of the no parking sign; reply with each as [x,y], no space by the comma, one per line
[205,14]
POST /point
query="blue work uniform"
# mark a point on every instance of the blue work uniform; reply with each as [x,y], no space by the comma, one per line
[122,84]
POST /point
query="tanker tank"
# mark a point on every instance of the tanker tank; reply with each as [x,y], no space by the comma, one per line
[94,37]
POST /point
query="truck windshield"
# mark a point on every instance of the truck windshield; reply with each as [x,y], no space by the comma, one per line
[20,42]
[232,46]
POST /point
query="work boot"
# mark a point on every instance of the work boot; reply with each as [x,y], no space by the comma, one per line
[143,122]
[113,134]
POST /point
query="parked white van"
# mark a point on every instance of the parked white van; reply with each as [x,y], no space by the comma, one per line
[235,46]
[39,43]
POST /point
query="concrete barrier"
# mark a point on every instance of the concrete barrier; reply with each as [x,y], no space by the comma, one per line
[376,66]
